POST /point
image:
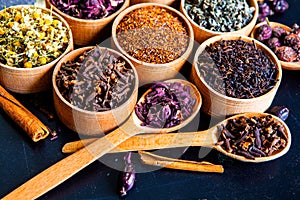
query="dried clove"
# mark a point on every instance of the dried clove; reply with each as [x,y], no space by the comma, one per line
[97,80]
[254,136]
[127,177]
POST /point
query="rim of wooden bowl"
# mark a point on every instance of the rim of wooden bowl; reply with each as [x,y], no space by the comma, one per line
[69,47]
[78,52]
[91,21]
[253,20]
[284,64]
[187,25]
[260,45]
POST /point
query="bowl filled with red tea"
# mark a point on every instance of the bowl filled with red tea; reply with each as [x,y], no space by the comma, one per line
[235,74]
[156,38]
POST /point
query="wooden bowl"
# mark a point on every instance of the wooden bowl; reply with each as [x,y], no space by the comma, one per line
[217,104]
[89,122]
[87,32]
[148,72]
[284,65]
[201,34]
[32,80]
[165,2]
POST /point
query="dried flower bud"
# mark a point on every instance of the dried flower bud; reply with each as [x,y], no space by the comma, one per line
[279,32]
[291,40]
[273,42]
[285,53]
[280,6]
[263,32]
[296,30]
[264,9]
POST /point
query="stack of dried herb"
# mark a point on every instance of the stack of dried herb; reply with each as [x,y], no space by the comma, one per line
[152,34]
[166,105]
[88,9]
[253,137]
[285,44]
[30,37]
[237,68]
[97,80]
[220,15]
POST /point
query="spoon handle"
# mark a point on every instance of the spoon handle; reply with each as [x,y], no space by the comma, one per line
[152,141]
[67,167]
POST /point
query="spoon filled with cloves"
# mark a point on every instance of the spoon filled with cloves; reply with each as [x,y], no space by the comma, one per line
[248,137]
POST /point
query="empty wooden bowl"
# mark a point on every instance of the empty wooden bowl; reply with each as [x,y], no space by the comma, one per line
[35,79]
[284,65]
[85,31]
[149,72]
[217,104]
[92,123]
[201,33]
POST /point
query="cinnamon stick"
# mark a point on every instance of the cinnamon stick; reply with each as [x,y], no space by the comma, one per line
[34,128]
[161,161]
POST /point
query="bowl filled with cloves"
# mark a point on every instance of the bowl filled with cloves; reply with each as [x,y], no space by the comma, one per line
[156,38]
[235,74]
[94,89]
[33,39]
[210,18]
[282,40]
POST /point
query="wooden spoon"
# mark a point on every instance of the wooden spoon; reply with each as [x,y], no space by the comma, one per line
[207,138]
[67,167]
[284,65]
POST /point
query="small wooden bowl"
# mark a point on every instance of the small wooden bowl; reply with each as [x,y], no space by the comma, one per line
[87,32]
[217,104]
[201,34]
[88,122]
[165,2]
[284,65]
[32,80]
[148,72]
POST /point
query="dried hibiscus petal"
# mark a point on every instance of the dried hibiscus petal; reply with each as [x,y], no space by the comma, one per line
[163,105]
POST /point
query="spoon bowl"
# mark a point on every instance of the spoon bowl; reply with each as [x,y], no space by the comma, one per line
[284,65]
[67,167]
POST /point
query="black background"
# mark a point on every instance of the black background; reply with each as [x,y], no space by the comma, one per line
[21,159]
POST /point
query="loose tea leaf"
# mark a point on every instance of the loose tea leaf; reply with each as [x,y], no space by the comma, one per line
[96,80]
[166,105]
[252,137]
[153,35]
[220,15]
[30,37]
[238,69]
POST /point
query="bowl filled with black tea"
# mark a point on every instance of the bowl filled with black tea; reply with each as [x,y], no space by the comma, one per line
[235,74]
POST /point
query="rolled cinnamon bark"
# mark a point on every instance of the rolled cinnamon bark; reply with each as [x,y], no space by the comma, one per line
[34,128]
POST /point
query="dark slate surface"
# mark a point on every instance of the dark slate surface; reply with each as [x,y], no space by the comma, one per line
[21,159]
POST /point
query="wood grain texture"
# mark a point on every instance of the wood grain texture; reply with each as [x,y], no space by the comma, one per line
[67,167]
